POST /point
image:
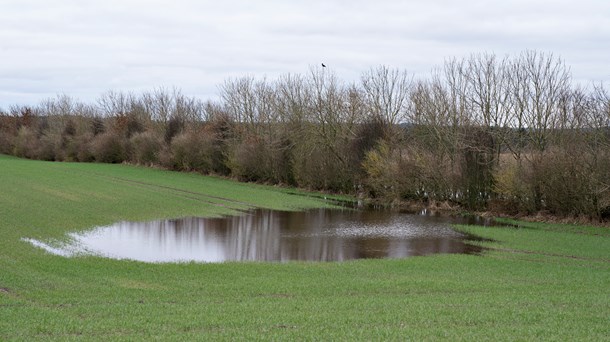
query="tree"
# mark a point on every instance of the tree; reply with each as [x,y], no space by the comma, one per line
[386,94]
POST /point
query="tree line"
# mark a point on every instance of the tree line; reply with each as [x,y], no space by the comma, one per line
[512,134]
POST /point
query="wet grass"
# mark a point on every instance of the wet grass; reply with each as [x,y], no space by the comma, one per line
[547,282]
[544,240]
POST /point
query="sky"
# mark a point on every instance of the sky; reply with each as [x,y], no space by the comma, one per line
[85,48]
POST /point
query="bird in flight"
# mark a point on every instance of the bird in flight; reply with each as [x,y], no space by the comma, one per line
[323,65]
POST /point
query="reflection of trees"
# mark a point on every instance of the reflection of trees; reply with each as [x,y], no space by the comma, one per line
[266,235]
[253,237]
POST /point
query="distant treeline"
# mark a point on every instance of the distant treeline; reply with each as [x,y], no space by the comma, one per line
[511,134]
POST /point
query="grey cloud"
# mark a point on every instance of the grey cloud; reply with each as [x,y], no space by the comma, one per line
[84,48]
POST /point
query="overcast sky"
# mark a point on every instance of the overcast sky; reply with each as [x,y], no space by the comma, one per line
[84,48]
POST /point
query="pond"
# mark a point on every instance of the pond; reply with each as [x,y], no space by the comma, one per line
[268,235]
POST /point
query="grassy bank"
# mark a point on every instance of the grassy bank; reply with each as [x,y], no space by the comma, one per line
[536,282]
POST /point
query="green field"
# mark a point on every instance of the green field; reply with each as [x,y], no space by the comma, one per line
[537,282]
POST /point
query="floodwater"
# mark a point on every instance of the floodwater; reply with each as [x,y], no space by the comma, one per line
[267,235]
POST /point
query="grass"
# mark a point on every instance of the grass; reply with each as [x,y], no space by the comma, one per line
[537,282]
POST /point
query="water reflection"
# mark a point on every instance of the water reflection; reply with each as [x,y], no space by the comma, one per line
[265,235]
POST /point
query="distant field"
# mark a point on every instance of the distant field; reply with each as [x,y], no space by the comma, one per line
[537,282]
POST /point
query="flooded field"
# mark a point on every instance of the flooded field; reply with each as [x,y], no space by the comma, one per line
[266,235]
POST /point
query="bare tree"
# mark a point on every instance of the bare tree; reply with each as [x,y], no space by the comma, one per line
[547,79]
[113,103]
[489,96]
[327,102]
[449,137]
[386,93]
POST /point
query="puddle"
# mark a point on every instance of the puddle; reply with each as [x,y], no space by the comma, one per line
[267,235]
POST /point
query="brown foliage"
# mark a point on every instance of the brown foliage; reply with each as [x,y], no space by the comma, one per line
[254,159]
[192,151]
[109,147]
[6,142]
[481,132]
[145,147]
[316,167]
[568,184]
[26,143]
[81,147]
[49,147]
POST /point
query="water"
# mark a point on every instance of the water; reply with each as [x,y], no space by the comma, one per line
[266,235]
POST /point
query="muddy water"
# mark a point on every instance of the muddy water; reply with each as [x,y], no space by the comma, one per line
[265,235]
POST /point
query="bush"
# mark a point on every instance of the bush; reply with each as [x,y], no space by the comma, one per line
[221,129]
[6,142]
[567,184]
[145,147]
[109,147]
[192,151]
[434,176]
[174,127]
[602,188]
[248,161]
[49,148]
[511,188]
[97,126]
[80,148]
[26,143]
[382,173]
[390,176]
[318,168]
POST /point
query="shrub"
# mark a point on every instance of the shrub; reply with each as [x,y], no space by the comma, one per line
[6,142]
[318,168]
[97,126]
[567,184]
[192,151]
[221,128]
[175,126]
[249,161]
[389,175]
[80,148]
[511,188]
[382,172]
[145,147]
[49,147]
[109,147]
[26,143]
